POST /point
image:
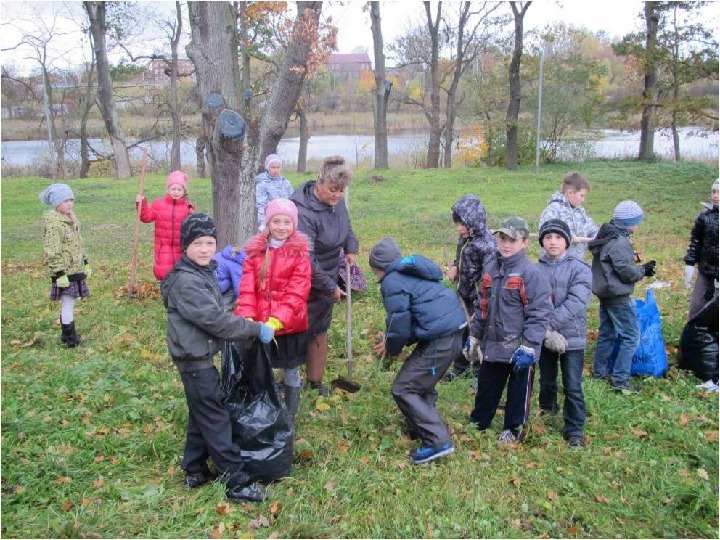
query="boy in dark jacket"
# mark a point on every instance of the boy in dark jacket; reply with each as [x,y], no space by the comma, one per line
[570,282]
[421,310]
[197,321]
[703,252]
[508,328]
[475,245]
[614,274]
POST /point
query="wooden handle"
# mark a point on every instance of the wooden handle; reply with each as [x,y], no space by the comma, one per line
[348,320]
[136,235]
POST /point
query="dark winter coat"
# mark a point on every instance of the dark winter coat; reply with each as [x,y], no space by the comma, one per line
[513,308]
[284,292]
[419,307]
[570,284]
[703,249]
[472,252]
[197,320]
[168,214]
[614,272]
[229,269]
[329,230]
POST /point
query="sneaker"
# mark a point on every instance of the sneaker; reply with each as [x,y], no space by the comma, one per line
[250,492]
[319,387]
[507,436]
[196,480]
[576,442]
[427,453]
[625,388]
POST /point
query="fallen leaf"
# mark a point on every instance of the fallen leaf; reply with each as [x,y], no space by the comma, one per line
[601,499]
[98,483]
[66,506]
[552,496]
[639,433]
[365,459]
[683,419]
[322,406]
[222,508]
[62,480]
[329,486]
[702,473]
[258,522]
[711,436]
[515,481]
[218,530]
[275,508]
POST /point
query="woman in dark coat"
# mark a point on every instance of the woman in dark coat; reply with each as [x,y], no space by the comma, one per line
[323,217]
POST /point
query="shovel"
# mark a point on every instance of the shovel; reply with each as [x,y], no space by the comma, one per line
[347,383]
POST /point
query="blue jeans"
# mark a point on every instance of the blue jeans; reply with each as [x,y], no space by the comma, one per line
[617,321]
[571,365]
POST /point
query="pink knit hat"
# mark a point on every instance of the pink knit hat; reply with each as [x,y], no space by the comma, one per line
[179,178]
[282,207]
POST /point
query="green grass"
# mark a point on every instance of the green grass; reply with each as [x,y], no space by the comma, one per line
[92,437]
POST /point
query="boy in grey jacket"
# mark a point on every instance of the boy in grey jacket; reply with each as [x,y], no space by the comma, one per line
[614,274]
[570,281]
[508,328]
[197,321]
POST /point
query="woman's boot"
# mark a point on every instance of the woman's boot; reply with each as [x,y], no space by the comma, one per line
[69,336]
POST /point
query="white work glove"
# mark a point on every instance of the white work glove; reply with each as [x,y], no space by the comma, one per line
[689,273]
[555,341]
[472,351]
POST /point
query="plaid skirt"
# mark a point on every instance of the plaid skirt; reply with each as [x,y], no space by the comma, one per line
[77,289]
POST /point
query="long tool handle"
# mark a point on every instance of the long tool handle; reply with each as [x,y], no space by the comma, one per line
[348,320]
[136,236]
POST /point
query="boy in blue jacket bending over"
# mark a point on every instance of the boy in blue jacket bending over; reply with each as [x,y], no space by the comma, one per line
[511,319]
[421,310]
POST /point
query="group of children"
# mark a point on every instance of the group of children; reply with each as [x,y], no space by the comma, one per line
[509,313]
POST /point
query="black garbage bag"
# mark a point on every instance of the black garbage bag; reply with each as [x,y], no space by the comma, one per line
[260,424]
[699,343]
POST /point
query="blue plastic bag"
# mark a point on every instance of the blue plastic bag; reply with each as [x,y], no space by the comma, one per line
[650,358]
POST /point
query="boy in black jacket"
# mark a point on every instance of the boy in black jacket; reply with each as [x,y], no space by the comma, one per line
[420,309]
[196,323]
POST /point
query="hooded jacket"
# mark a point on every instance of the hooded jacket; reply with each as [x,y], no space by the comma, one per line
[168,214]
[329,230]
[229,269]
[614,271]
[703,249]
[419,307]
[284,291]
[197,320]
[513,308]
[576,218]
[268,188]
[64,252]
[570,284]
[472,252]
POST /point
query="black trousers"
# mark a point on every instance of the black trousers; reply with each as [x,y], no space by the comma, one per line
[209,431]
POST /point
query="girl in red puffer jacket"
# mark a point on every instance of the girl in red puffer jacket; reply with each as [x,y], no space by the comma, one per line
[168,214]
[274,289]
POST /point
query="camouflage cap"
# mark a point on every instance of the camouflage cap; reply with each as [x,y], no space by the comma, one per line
[514,227]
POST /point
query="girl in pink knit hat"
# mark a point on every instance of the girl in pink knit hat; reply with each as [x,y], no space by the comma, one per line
[168,213]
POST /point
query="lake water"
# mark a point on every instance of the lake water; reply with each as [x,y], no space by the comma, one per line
[695,144]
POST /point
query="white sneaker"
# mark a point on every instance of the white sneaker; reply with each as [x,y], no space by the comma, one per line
[708,385]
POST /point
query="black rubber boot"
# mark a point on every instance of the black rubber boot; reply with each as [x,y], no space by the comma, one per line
[292,402]
[69,336]
[65,333]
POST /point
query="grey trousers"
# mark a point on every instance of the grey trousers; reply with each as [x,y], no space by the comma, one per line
[414,387]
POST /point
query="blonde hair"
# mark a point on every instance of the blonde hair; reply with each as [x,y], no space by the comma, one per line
[333,171]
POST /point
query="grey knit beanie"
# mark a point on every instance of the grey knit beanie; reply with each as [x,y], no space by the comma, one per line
[383,253]
[195,226]
[56,194]
[715,185]
[627,214]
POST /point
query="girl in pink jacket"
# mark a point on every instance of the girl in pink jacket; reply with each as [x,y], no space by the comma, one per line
[168,214]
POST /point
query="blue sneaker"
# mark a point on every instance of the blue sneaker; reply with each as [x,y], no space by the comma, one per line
[426,453]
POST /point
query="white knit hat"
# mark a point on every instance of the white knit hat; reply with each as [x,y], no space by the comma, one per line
[627,214]
[715,185]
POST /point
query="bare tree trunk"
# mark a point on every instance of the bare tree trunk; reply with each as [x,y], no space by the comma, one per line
[106,101]
[647,127]
[56,150]
[433,115]
[304,138]
[200,156]
[245,66]
[513,111]
[85,105]
[382,89]
[213,50]
[175,163]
